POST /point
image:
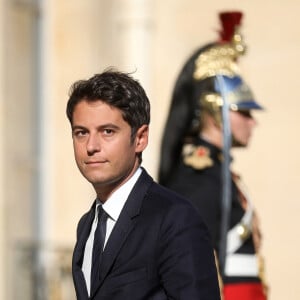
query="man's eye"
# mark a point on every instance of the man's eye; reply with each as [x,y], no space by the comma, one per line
[108,131]
[79,133]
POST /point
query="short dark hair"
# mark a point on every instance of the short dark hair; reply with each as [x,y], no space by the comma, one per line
[116,89]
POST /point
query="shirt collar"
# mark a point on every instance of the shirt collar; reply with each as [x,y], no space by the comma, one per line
[114,204]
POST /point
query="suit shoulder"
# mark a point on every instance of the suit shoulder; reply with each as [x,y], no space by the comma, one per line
[173,209]
[163,196]
[81,223]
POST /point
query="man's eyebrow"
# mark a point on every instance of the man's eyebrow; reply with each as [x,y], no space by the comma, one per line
[74,127]
[110,125]
[103,126]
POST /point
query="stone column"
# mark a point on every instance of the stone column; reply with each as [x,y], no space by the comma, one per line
[45,121]
[133,25]
[43,209]
[2,197]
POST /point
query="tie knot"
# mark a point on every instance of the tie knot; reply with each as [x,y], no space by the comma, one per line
[100,210]
[101,215]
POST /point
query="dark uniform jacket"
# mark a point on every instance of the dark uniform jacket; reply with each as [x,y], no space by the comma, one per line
[197,176]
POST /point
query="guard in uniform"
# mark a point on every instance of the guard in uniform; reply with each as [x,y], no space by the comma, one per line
[192,154]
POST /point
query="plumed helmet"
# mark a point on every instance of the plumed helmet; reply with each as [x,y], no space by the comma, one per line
[197,89]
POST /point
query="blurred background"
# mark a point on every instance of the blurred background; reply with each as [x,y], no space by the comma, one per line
[47,45]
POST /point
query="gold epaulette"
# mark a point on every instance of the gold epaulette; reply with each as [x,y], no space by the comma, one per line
[197,157]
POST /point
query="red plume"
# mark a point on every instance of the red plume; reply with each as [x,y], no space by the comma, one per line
[229,20]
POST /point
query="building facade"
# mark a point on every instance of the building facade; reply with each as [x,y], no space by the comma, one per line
[47,45]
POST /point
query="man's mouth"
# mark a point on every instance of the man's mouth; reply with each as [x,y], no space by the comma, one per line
[95,162]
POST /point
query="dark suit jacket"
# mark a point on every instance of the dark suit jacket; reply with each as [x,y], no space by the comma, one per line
[159,249]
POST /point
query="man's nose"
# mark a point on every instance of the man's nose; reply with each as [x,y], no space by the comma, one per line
[93,144]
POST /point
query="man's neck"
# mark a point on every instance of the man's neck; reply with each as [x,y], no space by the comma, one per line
[213,137]
[105,191]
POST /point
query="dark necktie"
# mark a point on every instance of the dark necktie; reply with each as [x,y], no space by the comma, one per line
[99,239]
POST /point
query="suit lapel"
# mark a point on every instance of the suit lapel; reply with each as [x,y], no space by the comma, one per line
[124,225]
[84,228]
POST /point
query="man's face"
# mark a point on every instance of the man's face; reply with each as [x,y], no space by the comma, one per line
[104,151]
[242,124]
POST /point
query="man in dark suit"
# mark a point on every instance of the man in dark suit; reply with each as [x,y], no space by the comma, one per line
[148,242]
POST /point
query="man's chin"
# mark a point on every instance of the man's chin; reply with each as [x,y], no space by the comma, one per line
[237,144]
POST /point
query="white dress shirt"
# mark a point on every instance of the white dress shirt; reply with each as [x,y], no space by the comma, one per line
[113,207]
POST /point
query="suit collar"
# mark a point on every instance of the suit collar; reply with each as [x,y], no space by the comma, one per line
[115,203]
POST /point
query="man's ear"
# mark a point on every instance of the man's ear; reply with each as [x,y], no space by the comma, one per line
[141,139]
